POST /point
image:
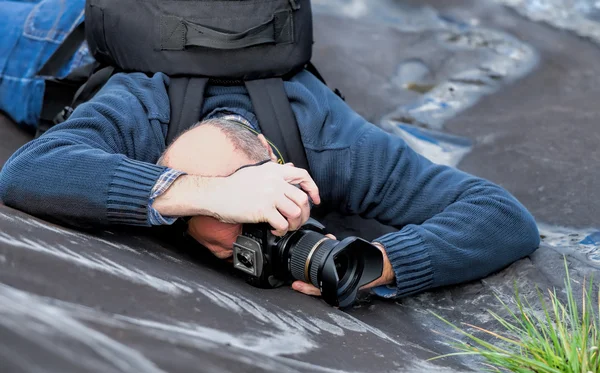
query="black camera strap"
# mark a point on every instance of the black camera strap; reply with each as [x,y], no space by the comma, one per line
[253,165]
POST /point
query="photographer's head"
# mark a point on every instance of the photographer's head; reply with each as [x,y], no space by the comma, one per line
[216,147]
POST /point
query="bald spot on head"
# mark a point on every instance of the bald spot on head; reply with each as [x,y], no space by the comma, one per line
[214,148]
[205,151]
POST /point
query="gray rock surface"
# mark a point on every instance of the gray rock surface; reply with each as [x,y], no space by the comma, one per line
[463,81]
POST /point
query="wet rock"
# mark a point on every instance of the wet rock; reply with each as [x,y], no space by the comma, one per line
[467,83]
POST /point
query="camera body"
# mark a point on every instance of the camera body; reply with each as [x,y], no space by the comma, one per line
[337,268]
[264,256]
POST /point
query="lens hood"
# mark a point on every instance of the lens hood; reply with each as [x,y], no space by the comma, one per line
[353,263]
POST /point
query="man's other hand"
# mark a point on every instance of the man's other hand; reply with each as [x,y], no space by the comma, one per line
[387,277]
[264,193]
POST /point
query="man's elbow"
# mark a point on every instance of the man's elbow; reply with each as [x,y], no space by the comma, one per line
[529,239]
[515,227]
[520,231]
[3,187]
[17,177]
[9,184]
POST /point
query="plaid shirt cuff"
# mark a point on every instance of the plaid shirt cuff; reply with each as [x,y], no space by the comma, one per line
[165,180]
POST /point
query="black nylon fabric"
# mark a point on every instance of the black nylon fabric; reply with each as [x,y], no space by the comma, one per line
[58,93]
[233,36]
[186,96]
[64,53]
[193,41]
[276,119]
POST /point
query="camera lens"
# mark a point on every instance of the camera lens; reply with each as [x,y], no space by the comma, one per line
[308,254]
[339,269]
[342,262]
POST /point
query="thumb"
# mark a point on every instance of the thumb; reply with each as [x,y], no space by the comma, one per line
[305,288]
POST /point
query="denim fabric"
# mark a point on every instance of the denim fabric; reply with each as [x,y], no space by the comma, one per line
[31,31]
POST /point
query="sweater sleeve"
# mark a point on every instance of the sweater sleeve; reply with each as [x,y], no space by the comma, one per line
[452,227]
[98,166]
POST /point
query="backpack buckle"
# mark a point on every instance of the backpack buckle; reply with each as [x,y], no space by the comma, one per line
[63,115]
[45,124]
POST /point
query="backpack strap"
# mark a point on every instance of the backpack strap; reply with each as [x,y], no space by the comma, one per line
[89,89]
[59,92]
[57,95]
[186,96]
[62,96]
[64,52]
[311,68]
[276,118]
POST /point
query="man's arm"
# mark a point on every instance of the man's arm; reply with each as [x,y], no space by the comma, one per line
[453,227]
[98,166]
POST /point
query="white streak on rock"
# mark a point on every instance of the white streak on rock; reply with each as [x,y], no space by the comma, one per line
[347,323]
[96,262]
[28,317]
[326,326]
[32,222]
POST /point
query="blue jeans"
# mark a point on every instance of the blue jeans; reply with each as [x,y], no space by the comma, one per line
[31,30]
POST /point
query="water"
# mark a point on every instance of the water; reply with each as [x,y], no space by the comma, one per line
[579,16]
[583,244]
[487,61]
[500,60]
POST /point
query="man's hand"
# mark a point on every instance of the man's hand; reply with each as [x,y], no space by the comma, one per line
[387,277]
[261,194]
[265,193]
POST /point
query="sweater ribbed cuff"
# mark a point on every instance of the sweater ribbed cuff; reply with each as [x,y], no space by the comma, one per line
[129,192]
[409,257]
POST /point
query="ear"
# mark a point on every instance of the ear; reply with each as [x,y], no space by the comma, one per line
[265,143]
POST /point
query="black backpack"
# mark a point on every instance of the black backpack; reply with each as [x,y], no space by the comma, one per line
[256,43]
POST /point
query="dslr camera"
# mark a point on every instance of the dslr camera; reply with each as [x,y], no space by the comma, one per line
[337,268]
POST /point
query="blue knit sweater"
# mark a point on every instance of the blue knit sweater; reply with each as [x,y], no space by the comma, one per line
[99,167]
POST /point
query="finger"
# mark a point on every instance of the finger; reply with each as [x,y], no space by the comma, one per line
[290,211]
[278,222]
[301,200]
[301,177]
[331,236]
[305,288]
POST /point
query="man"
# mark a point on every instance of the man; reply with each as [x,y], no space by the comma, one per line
[99,167]
[230,143]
